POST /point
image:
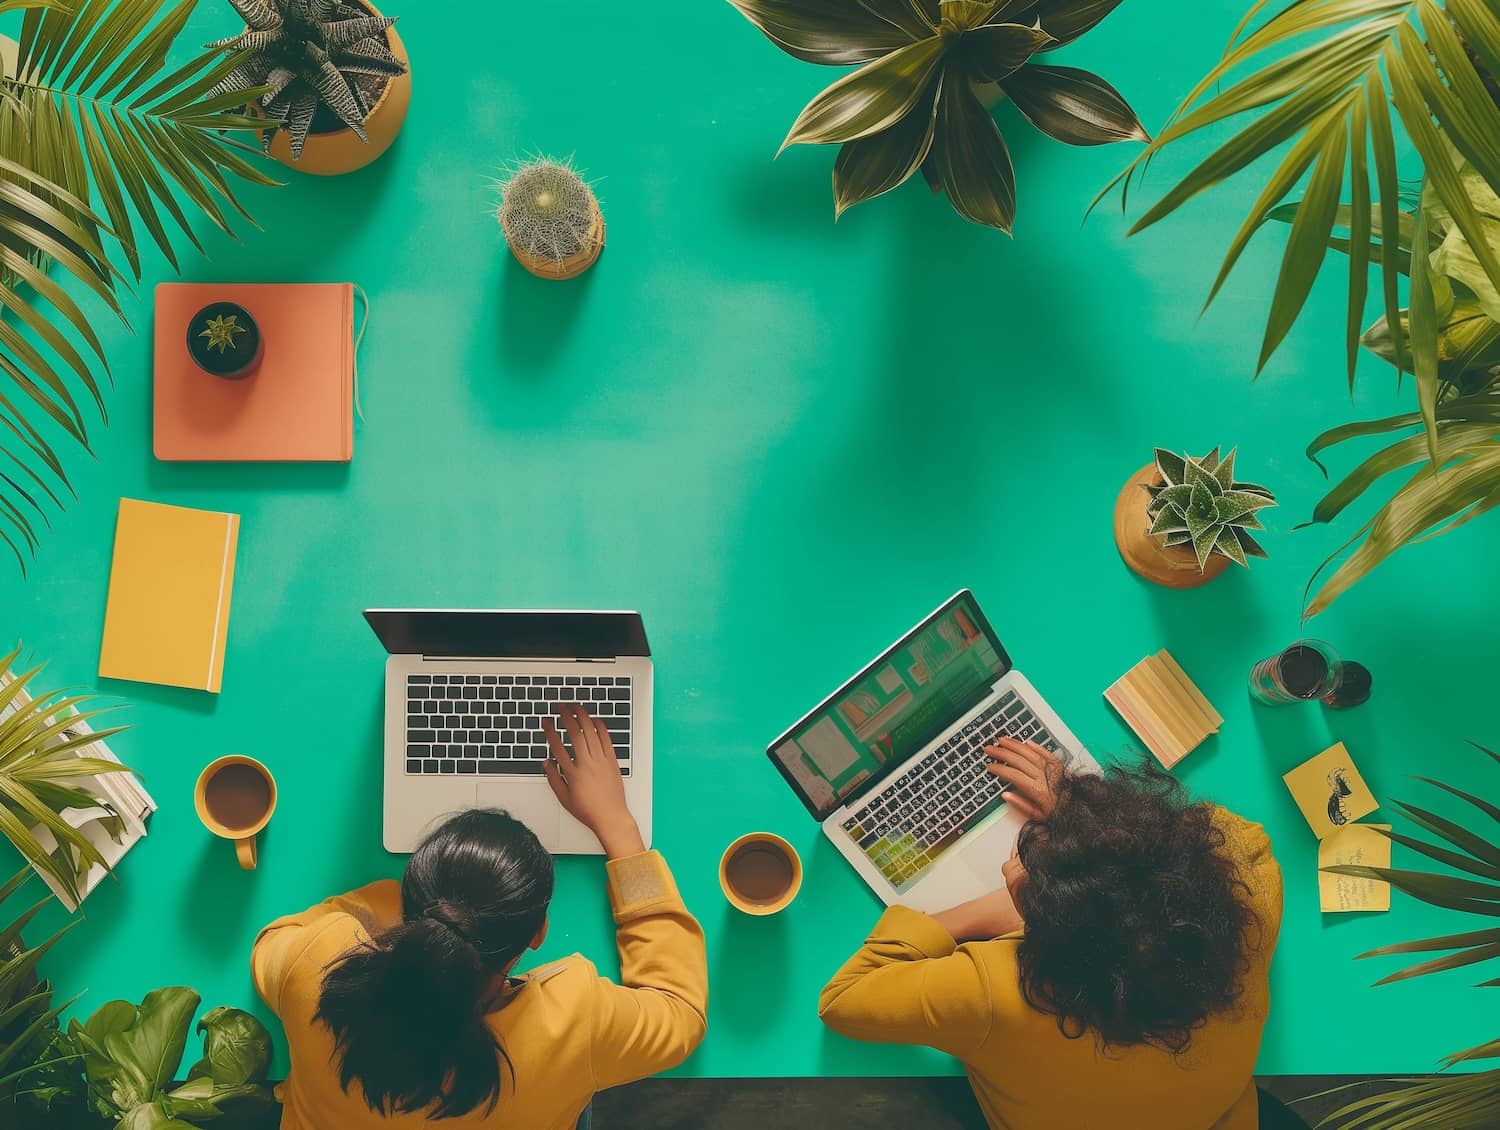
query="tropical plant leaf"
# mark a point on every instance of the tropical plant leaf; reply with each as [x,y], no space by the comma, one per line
[832,32]
[80,150]
[971,162]
[868,100]
[1066,20]
[1072,105]
[996,51]
[873,165]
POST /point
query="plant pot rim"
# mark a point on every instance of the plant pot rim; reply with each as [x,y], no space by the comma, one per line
[576,263]
[398,49]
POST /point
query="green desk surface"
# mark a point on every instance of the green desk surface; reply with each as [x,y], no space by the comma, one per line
[783,441]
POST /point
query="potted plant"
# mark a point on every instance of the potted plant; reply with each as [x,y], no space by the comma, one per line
[551,219]
[224,340]
[334,75]
[1444,1100]
[930,73]
[1180,521]
[145,147]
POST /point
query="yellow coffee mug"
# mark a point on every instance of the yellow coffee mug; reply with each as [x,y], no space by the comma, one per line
[760,873]
[235,797]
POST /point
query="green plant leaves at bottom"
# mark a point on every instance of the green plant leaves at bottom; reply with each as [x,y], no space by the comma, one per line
[236,1049]
[873,165]
[970,162]
[1073,105]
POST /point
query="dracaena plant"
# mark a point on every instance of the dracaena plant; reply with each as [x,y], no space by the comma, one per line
[1199,505]
[307,56]
[918,101]
[1453,1102]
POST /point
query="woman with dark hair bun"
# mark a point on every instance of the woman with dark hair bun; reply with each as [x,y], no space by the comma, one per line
[1116,980]
[401,1003]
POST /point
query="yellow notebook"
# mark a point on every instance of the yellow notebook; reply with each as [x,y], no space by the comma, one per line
[169,592]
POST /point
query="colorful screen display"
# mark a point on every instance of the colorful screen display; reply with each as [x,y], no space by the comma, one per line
[894,706]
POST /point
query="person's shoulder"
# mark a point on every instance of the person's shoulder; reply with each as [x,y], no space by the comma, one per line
[1245,841]
[323,932]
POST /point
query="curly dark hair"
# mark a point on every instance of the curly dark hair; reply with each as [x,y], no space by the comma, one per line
[1136,926]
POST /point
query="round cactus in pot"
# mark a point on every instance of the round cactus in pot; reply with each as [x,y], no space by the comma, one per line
[551,219]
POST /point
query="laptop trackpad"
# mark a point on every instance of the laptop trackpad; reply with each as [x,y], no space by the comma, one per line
[991,848]
[529,801]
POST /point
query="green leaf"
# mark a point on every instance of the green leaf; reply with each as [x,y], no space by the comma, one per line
[869,100]
[143,1046]
[1423,315]
[237,1049]
[970,161]
[1066,20]
[874,165]
[1360,228]
[995,51]
[1072,105]
[1172,467]
[1305,245]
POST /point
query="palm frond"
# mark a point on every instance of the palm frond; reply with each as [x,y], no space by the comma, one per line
[100,153]
[42,772]
[1332,99]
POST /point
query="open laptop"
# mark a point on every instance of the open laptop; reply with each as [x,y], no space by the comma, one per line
[465,695]
[892,762]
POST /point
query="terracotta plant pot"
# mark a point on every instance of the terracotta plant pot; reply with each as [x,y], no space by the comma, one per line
[341,151]
[1175,567]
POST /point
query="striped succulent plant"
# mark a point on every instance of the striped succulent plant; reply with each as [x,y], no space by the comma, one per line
[315,63]
[1199,504]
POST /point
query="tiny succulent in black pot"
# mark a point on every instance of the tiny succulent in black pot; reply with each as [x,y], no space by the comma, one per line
[224,341]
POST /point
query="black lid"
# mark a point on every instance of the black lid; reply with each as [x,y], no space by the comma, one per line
[1353,688]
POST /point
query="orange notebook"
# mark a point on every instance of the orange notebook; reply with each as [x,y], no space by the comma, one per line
[297,407]
[169,592]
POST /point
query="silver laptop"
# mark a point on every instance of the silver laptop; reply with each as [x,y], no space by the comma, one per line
[465,695]
[892,763]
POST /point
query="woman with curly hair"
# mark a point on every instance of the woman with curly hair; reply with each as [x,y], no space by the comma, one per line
[1117,980]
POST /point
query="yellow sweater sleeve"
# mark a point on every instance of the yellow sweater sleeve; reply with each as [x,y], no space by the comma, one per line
[911,984]
[657,1015]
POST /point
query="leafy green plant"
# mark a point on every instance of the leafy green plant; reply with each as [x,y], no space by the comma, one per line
[1457,455]
[40,771]
[1454,1102]
[28,1018]
[1199,504]
[95,144]
[131,1054]
[310,59]
[918,100]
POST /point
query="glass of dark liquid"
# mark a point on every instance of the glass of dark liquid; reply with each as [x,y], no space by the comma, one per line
[1306,671]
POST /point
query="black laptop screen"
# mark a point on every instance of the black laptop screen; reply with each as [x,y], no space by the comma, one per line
[496,634]
[900,702]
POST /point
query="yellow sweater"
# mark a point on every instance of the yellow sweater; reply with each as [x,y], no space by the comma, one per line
[568,1031]
[911,984]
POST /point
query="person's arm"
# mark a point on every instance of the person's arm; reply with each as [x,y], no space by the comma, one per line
[657,1015]
[279,946]
[911,984]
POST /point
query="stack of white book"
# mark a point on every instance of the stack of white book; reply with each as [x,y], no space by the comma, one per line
[113,826]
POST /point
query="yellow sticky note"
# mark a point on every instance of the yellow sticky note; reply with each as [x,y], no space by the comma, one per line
[1354,845]
[1329,791]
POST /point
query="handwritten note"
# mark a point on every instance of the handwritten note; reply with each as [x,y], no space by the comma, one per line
[1354,845]
[1330,792]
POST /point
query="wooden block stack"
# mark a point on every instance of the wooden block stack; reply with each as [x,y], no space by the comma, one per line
[1167,712]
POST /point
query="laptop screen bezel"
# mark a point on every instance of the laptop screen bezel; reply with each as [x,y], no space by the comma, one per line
[510,633]
[1004,667]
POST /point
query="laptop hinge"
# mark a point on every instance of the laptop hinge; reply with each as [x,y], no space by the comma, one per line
[511,659]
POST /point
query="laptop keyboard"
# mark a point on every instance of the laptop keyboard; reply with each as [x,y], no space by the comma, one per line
[930,806]
[489,725]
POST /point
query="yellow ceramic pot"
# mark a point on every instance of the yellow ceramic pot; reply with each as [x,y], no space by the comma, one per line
[339,152]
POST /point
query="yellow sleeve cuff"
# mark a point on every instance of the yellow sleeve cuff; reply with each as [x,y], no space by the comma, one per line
[639,885]
[912,928]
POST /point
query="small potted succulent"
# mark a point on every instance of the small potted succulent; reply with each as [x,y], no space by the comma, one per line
[1180,521]
[224,341]
[551,219]
[336,79]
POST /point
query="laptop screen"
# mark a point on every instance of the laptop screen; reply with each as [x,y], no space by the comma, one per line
[891,709]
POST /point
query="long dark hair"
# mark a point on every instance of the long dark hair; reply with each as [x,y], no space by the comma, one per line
[407,1010]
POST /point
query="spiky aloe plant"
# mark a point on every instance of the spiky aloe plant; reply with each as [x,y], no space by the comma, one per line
[1199,504]
[313,59]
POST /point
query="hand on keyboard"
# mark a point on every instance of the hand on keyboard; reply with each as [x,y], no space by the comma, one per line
[1033,776]
[585,775]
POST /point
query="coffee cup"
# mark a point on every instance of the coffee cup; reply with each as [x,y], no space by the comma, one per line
[235,797]
[760,873]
